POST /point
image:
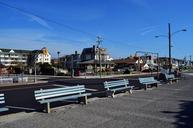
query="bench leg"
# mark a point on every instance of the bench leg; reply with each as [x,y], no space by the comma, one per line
[110,93]
[156,85]
[130,91]
[83,100]
[48,110]
[145,87]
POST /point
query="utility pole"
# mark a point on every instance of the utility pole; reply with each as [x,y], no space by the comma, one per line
[170,56]
[99,40]
[169,40]
[35,72]
[190,60]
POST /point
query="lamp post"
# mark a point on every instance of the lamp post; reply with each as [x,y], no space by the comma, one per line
[169,41]
[58,60]
[35,72]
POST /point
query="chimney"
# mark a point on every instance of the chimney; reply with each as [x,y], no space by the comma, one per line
[93,47]
[76,52]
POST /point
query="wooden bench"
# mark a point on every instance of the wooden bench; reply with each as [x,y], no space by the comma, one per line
[171,78]
[119,85]
[2,102]
[148,81]
[47,96]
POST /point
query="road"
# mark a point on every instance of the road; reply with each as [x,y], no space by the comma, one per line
[168,106]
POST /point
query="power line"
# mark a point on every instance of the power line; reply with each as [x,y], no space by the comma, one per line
[47,19]
[61,24]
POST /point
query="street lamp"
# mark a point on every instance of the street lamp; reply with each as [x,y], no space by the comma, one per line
[169,41]
[58,60]
[35,72]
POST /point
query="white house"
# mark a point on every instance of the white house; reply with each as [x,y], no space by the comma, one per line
[43,56]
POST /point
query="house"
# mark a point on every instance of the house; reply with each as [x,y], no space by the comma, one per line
[150,62]
[13,57]
[133,63]
[91,59]
[39,56]
[136,63]
[70,62]
[176,63]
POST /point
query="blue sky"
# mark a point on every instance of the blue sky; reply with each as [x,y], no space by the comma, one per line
[126,26]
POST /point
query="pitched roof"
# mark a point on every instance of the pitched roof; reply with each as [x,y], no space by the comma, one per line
[88,50]
[15,50]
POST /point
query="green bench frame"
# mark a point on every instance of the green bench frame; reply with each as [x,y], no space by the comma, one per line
[118,85]
[47,96]
[171,78]
[2,102]
[146,81]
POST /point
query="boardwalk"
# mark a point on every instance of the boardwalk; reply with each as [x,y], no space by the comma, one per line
[168,106]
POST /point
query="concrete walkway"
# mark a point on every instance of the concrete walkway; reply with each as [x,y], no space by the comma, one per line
[168,106]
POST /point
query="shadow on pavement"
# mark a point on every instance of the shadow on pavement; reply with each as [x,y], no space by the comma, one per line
[184,116]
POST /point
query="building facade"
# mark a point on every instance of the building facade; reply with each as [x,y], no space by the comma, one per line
[13,57]
[176,63]
[94,58]
[70,62]
[43,56]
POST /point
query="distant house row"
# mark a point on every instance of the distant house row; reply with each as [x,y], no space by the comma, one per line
[90,60]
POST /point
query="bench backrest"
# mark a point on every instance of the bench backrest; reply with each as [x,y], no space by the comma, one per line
[2,99]
[169,76]
[43,94]
[115,84]
[146,80]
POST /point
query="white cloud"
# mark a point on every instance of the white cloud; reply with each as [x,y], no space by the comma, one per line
[147,30]
[38,20]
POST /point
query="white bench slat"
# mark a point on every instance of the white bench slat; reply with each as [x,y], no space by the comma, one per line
[43,91]
[2,98]
[2,102]
[147,80]
[111,83]
[62,98]
[116,84]
[56,94]
[59,92]
[3,109]
[58,89]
